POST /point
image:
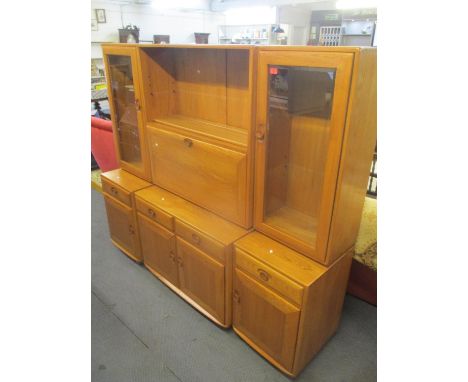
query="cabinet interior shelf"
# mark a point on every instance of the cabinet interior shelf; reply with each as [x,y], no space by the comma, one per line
[200,128]
[295,222]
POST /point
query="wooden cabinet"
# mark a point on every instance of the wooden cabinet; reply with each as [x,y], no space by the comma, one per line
[201,278]
[122,227]
[285,306]
[194,256]
[158,246]
[265,319]
[198,108]
[123,84]
[310,179]
[190,119]
[118,187]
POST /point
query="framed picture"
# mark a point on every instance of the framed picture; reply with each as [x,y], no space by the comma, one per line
[100,16]
[94,25]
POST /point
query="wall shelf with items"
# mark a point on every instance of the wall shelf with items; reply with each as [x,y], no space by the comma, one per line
[239,34]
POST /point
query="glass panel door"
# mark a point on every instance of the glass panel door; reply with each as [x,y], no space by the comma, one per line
[299,109]
[302,100]
[125,108]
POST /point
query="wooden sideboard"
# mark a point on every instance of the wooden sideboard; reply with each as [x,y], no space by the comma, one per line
[254,164]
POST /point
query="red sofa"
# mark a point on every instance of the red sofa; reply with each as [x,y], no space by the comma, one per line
[102,144]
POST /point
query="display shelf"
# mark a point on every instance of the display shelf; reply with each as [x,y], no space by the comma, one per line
[293,222]
[199,128]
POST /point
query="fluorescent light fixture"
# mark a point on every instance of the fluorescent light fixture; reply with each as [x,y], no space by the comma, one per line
[356,4]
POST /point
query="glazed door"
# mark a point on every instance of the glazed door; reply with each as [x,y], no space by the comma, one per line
[158,249]
[201,278]
[265,318]
[301,112]
[125,100]
[121,226]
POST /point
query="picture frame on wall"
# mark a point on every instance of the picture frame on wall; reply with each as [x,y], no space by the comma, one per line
[100,16]
[94,25]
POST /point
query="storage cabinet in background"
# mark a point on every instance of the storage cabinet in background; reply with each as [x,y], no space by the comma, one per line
[123,84]
[307,129]
[118,187]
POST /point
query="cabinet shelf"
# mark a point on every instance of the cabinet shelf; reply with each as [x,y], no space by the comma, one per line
[229,136]
[294,222]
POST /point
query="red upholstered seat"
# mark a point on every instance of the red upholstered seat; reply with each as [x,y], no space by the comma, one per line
[102,144]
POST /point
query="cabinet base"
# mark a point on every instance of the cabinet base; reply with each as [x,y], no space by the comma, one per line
[133,257]
[263,354]
[186,298]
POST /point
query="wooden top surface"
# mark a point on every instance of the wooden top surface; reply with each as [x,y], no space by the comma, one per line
[309,48]
[125,180]
[199,218]
[281,258]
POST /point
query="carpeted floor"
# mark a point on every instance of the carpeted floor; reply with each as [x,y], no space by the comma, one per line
[141,331]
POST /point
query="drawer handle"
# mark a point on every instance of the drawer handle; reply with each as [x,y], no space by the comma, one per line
[195,238]
[151,213]
[188,142]
[263,274]
[131,229]
[260,136]
[114,190]
[172,256]
[179,260]
[236,296]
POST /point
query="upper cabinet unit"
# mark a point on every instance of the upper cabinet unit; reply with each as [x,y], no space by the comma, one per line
[198,108]
[315,133]
[123,86]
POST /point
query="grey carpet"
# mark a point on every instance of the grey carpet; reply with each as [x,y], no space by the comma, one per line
[141,331]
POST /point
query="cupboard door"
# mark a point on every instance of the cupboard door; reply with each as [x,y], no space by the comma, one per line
[266,319]
[211,176]
[122,226]
[158,249]
[302,102]
[201,278]
[124,101]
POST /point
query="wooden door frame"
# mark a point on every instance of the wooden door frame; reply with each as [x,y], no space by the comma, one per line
[343,64]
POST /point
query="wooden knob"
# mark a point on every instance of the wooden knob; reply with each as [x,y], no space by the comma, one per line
[114,190]
[195,238]
[263,274]
[131,229]
[188,142]
[260,135]
[236,296]
[151,213]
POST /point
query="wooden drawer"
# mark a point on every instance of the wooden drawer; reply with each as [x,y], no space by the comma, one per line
[208,175]
[200,240]
[268,276]
[116,191]
[155,214]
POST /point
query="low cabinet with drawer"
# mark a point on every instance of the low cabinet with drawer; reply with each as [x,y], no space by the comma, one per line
[118,188]
[189,249]
[285,306]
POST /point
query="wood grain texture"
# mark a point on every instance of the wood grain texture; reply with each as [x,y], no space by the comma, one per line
[201,278]
[158,248]
[207,175]
[262,305]
[321,311]
[266,319]
[359,142]
[200,219]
